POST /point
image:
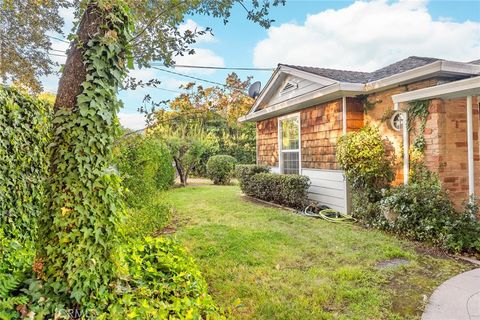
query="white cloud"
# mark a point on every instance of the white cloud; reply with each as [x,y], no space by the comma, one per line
[202,57]
[368,35]
[134,121]
[193,26]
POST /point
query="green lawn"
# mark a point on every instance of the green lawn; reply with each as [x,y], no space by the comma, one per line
[267,263]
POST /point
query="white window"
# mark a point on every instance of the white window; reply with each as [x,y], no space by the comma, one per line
[289,144]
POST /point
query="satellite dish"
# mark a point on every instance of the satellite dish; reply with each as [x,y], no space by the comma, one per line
[254,90]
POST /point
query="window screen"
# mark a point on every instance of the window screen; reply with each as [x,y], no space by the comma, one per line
[290,146]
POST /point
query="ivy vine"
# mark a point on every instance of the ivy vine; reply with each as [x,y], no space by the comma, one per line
[367,105]
[418,110]
[79,232]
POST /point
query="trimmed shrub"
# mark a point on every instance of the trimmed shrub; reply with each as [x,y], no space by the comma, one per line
[243,172]
[221,168]
[288,190]
[368,166]
[146,166]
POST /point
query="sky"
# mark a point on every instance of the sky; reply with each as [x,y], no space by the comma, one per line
[347,35]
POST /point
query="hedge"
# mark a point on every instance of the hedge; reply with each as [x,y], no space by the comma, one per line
[220,168]
[288,190]
[145,165]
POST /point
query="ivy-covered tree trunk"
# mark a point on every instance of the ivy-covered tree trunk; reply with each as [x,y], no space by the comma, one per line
[78,232]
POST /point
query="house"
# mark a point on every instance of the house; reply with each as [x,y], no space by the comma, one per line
[302,111]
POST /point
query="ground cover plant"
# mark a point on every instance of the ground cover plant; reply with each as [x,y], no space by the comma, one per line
[267,263]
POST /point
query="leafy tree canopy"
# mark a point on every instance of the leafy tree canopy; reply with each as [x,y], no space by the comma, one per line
[25,25]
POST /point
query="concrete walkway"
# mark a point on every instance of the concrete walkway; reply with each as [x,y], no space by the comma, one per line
[456,299]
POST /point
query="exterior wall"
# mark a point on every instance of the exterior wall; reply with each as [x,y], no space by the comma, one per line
[267,142]
[446,151]
[378,115]
[320,128]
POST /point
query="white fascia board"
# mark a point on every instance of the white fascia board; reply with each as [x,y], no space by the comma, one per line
[309,76]
[334,91]
[266,89]
[404,76]
[280,73]
[465,87]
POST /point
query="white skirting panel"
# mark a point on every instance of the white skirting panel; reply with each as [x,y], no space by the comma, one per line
[274,169]
[328,187]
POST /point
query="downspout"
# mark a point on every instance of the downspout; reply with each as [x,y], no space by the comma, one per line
[406,147]
[344,115]
[471,174]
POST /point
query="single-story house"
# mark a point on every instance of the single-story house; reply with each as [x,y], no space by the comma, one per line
[302,111]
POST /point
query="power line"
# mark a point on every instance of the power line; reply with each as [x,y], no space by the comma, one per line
[58,39]
[57,55]
[195,78]
[222,68]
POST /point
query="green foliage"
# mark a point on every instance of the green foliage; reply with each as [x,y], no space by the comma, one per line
[418,109]
[285,189]
[368,167]
[244,172]
[78,234]
[161,282]
[221,168]
[187,145]
[24,137]
[147,220]
[423,212]
[145,165]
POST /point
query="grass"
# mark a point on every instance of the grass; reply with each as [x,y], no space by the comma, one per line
[268,263]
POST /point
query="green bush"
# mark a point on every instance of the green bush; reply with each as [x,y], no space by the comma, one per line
[423,212]
[145,165]
[145,221]
[289,190]
[163,282]
[220,168]
[243,172]
[367,165]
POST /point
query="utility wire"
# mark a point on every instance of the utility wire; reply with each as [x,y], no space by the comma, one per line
[58,39]
[221,68]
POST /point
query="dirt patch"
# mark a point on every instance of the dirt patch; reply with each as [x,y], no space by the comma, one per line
[392,263]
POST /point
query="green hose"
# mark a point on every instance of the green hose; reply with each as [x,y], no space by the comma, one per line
[328,215]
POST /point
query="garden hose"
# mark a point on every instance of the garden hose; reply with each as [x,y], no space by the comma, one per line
[327,214]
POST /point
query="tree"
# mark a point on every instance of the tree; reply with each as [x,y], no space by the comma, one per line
[215,109]
[187,144]
[79,230]
[24,43]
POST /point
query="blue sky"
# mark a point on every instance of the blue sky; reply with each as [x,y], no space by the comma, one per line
[355,35]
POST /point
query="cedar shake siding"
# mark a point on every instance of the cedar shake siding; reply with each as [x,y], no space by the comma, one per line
[321,126]
[267,142]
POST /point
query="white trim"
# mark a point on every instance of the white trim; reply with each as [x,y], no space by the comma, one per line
[406,147]
[280,142]
[471,173]
[455,89]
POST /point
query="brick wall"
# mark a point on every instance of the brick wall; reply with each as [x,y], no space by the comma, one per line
[267,142]
[446,152]
[378,116]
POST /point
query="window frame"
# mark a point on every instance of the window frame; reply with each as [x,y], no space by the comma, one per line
[280,141]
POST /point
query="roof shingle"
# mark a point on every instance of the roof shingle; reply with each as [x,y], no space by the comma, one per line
[364,77]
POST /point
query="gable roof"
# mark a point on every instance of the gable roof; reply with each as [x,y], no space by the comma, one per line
[364,77]
[341,83]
